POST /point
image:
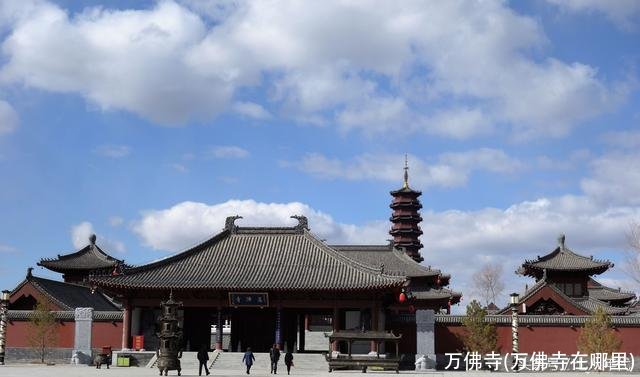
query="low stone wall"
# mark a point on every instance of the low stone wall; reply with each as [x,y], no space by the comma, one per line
[22,355]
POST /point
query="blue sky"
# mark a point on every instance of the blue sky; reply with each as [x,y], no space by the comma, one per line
[150,122]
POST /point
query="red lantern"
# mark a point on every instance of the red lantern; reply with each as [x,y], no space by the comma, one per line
[402,298]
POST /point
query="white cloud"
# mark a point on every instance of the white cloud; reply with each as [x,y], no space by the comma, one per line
[623,139]
[228,151]
[81,232]
[623,13]
[449,170]
[116,221]
[377,68]
[187,223]
[113,151]
[131,60]
[6,249]
[251,110]
[181,168]
[615,179]
[8,118]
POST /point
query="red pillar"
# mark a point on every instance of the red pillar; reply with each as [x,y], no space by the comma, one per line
[374,327]
[219,333]
[126,325]
[278,342]
[336,326]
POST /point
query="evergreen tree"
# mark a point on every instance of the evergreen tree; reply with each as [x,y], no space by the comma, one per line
[597,336]
[481,336]
[42,332]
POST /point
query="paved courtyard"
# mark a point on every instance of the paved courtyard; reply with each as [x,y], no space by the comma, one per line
[83,371]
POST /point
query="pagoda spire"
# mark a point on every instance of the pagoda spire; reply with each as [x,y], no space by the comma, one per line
[406,172]
[405,218]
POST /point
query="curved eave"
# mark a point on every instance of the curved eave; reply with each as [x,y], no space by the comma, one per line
[537,271]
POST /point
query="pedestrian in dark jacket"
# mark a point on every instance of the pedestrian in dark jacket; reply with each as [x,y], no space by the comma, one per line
[288,361]
[203,357]
[248,359]
[274,354]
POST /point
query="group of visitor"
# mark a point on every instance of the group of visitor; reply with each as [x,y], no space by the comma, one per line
[249,358]
[274,355]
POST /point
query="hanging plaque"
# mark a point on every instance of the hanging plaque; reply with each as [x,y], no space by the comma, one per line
[248,299]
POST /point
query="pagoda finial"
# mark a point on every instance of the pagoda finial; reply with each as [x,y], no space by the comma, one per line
[406,172]
[92,239]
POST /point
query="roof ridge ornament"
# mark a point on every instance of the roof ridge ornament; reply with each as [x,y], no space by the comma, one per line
[561,239]
[229,223]
[303,222]
[92,239]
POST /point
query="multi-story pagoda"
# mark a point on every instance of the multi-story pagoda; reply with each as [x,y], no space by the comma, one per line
[565,285]
[405,218]
[90,260]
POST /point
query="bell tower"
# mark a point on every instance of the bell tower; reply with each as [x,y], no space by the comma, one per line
[405,218]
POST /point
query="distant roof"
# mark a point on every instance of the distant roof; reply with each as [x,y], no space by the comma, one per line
[563,259]
[90,257]
[392,260]
[263,258]
[69,296]
[604,293]
[587,303]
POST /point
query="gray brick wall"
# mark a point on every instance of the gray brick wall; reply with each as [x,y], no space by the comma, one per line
[16,355]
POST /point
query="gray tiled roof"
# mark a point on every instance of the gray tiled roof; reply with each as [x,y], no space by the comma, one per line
[563,259]
[394,261]
[436,294]
[590,304]
[525,320]
[90,257]
[604,293]
[256,258]
[70,296]
[25,315]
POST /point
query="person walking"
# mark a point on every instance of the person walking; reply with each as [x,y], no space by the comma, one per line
[288,361]
[274,354]
[203,357]
[248,359]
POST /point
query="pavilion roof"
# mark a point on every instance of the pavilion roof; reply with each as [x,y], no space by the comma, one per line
[68,296]
[563,259]
[90,257]
[256,258]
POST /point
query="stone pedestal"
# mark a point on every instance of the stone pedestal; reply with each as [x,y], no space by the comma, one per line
[82,341]
[425,340]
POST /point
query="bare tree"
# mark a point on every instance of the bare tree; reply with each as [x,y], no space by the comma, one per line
[42,331]
[488,282]
[632,255]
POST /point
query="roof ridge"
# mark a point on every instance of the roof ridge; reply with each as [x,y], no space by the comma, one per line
[339,255]
[179,255]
